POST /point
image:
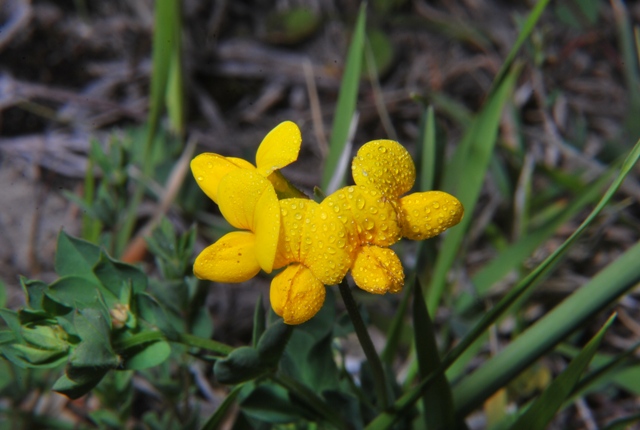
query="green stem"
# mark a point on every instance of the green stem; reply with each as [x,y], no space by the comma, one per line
[208,344]
[184,338]
[311,399]
[366,343]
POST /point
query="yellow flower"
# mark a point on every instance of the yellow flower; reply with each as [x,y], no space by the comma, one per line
[315,246]
[248,202]
[376,216]
[278,149]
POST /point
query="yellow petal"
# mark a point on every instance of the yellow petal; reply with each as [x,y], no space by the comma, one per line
[385,165]
[230,259]
[247,201]
[428,214]
[377,270]
[370,217]
[279,148]
[326,249]
[210,168]
[293,214]
[313,235]
[296,294]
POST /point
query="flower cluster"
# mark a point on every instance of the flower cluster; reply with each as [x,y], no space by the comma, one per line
[316,243]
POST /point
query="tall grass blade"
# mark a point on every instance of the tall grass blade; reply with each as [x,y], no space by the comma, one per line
[512,257]
[165,38]
[541,412]
[597,294]
[216,420]
[466,174]
[437,399]
[347,98]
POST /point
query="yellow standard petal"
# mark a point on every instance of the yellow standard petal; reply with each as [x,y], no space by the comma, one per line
[248,201]
[427,214]
[296,294]
[368,215]
[385,165]
[230,259]
[210,168]
[377,270]
[279,148]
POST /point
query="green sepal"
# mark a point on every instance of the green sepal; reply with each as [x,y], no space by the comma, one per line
[242,364]
[273,342]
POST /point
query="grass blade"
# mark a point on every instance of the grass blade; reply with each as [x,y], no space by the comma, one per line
[437,399]
[215,421]
[347,99]
[465,176]
[541,412]
[598,293]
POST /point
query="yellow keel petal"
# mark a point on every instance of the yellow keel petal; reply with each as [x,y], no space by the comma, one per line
[296,294]
[378,270]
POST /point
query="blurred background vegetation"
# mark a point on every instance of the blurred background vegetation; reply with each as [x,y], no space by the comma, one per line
[75,97]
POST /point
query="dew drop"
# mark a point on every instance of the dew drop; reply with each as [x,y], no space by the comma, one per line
[360,202]
[368,224]
[200,178]
[336,209]
[436,205]
[323,215]
[297,216]
[331,250]
[382,149]
[284,212]
[373,210]
[340,243]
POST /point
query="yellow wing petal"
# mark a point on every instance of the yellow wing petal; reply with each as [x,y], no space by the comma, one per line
[279,148]
[293,216]
[210,168]
[377,270]
[427,214]
[385,165]
[296,294]
[230,259]
[247,201]
[370,217]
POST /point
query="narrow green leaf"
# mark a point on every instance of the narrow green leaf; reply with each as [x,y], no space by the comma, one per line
[524,34]
[465,177]
[540,413]
[259,321]
[347,98]
[437,400]
[215,421]
[512,257]
[568,316]
[429,152]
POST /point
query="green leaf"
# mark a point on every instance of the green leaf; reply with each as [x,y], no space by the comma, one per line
[437,399]
[541,412]
[152,312]
[597,294]
[75,256]
[76,389]
[215,421]
[73,291]
[259,321]
[146,355]
[95,350]
[269,403]
[33,291]
[242,364]
[114,275]
[464,177]
[346,105]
